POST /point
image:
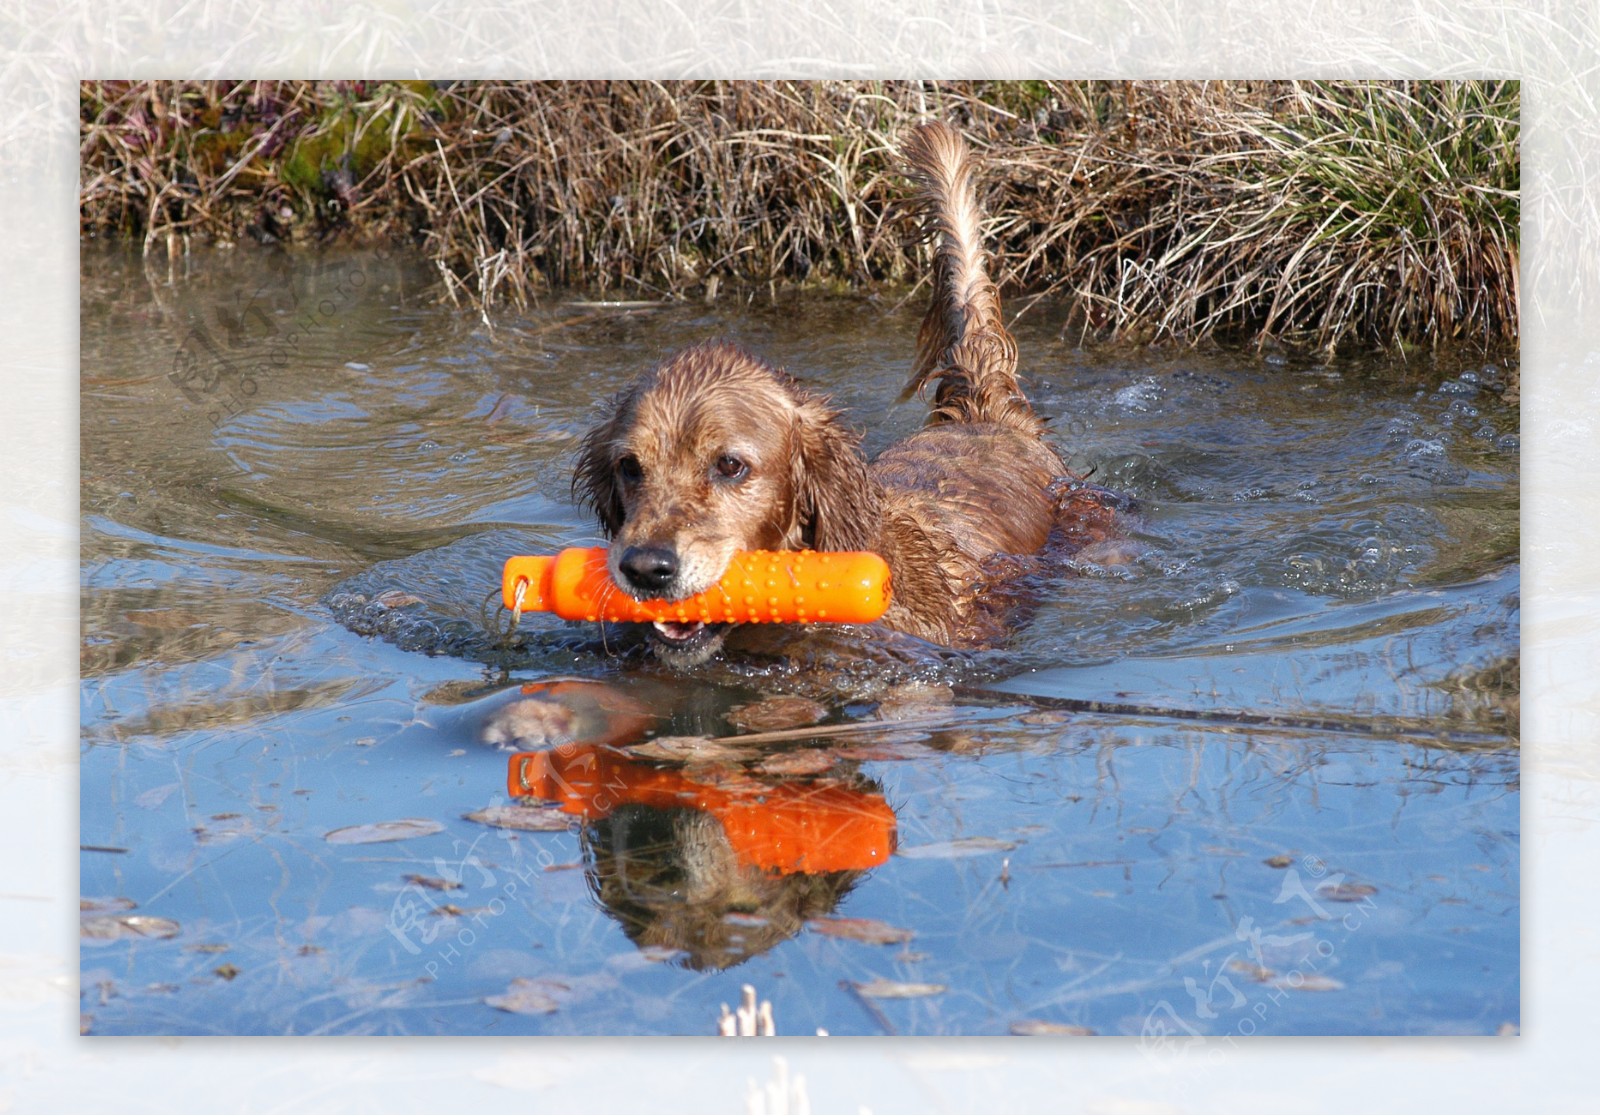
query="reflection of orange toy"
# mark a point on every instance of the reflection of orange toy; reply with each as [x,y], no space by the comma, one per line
[779,826]
[761,586]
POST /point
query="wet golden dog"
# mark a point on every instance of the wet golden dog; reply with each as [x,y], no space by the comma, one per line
[715,451]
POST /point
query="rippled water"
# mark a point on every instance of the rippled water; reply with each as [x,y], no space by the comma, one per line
[1260,779]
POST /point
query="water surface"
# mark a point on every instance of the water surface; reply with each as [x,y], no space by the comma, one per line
[1260,779]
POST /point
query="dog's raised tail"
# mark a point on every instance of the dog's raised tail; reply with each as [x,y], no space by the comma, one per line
[963,345]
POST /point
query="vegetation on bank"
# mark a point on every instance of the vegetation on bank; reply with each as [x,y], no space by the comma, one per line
[1312,213]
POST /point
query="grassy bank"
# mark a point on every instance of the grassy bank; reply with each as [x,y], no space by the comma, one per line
[1313,213]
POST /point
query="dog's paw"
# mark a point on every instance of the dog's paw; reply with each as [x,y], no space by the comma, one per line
[528,724]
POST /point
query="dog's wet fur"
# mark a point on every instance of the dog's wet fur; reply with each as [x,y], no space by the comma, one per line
[715,451]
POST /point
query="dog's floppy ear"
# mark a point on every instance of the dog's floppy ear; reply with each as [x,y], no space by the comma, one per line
[594,478]
[836,500]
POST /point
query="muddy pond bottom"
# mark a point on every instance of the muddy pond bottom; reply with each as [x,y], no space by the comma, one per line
[1262,779]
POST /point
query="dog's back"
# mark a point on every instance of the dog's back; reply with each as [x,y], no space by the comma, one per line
[980,472]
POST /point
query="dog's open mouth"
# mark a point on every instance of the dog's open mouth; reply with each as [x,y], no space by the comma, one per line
[686,639]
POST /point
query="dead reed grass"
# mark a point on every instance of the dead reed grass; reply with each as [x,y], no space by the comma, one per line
[1315,214]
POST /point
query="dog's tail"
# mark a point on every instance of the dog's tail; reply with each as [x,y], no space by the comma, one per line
[963,345]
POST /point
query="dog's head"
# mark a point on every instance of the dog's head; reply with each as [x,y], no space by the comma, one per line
[711,453]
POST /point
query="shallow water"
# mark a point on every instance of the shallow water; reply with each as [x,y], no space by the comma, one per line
[1262,779]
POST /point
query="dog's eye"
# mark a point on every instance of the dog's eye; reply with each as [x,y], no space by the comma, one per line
[732,468]
[629,469]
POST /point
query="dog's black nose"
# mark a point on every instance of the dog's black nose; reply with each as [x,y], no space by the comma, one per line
[649,569]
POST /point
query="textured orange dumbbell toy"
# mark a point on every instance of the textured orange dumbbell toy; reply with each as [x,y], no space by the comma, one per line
[761,586]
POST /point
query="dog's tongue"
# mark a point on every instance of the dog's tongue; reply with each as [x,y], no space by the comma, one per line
[678,631]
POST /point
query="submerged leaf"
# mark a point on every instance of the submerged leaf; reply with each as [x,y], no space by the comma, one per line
[233,827]
[376,832]
[107,928]
[807,761]
[689,749]
[1313,983]
[1257,973]
[155,796]
[86,906]
[529,819]
[868,930]
[435,883]
[527,997]
[779,711]
[961,847]
[1347,892]
[881,989]
[1032,1027]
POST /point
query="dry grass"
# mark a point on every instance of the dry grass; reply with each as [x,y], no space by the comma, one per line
[1313,213]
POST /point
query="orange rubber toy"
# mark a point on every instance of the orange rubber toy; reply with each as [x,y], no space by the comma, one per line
[761,586]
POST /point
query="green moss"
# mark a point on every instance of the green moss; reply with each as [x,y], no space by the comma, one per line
[209,150]
[355,134]
[1024,97]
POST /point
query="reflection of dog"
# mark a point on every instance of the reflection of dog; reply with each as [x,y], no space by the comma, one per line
[671,880]
[714,452]
[675,854]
